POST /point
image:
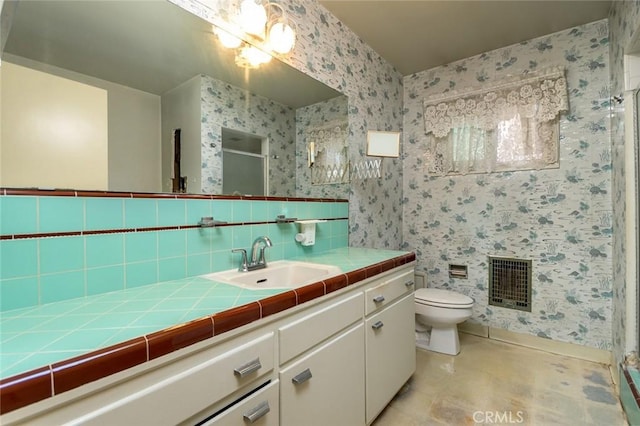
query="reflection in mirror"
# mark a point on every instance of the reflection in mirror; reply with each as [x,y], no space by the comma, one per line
[328,155]
[244,163]
[94,91]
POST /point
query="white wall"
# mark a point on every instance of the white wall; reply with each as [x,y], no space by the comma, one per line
[134,140]
[134,159]
[54,132]
[181,110]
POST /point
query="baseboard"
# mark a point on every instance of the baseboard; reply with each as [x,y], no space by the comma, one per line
[614,369]
[561,348]
[473,328]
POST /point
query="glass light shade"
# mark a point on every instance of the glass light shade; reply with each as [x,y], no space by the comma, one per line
[228,40]
[253,17]
[281,37]
[254,57]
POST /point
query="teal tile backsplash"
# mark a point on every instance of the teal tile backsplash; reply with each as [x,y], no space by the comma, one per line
[142,273]
[198,264]
[172,212]
[60,214]
[140,246]
[197,209]
[19,258]
[106,279]
[172,269]
[242,211]
[61,254]
[140,212]
[104,250]
[38,268]
[19,293]
[172,243]
[104,213]
[18,215]
[62,286]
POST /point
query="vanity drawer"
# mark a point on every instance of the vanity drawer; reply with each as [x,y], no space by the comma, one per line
[184,387]
[312,329]
[261,409]
[388,291]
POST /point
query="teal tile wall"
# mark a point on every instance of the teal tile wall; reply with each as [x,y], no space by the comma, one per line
[104,213]
[47,269]
[60,214]
[18,215]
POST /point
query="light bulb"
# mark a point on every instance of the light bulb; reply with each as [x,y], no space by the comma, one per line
[253,17]
[281,37]
[254,56]
[227,39]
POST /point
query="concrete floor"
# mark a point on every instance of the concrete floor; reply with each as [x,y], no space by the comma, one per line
[491,382]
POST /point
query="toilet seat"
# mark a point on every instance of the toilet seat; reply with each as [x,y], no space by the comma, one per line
[442,298]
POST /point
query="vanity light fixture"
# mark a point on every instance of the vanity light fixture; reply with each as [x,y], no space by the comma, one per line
[264,24]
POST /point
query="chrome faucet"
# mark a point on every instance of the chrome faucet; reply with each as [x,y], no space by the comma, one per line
[257,255]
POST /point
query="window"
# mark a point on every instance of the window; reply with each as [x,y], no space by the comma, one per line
[513,126]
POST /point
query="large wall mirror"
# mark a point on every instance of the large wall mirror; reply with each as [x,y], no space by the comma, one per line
[140,96]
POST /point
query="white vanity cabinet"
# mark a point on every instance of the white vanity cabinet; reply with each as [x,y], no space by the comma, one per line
[390,340]
[336,360]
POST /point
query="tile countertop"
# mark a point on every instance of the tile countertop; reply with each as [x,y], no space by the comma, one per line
[41,346]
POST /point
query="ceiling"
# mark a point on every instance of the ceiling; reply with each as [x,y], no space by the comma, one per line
[419,35]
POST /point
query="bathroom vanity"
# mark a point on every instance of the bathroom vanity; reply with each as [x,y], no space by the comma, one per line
[332,352]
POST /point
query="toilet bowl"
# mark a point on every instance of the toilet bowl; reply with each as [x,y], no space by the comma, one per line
[442,310]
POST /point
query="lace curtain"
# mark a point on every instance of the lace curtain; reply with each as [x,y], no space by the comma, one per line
[510,126]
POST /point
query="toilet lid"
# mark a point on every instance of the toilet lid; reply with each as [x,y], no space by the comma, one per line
[440,297]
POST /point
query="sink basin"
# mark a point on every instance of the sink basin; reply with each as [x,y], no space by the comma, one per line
[279,274]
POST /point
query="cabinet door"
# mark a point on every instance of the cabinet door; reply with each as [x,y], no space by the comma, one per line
[390,353]
[326,386]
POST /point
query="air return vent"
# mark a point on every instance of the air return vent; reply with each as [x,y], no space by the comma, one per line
[510,283]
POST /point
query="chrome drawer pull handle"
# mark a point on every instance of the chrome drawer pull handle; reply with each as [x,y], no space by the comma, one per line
[377,325]
[248,368]
[409,283]
[302,377]
[257,412]
[378,299]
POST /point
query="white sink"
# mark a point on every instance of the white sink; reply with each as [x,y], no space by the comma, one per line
[279,274]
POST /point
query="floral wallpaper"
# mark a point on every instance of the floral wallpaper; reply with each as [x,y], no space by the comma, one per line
[561,218]
[624,22]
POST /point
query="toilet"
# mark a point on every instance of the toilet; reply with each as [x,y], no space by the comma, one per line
[442,310]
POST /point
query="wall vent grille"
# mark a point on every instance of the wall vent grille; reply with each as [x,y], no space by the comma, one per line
[510,283]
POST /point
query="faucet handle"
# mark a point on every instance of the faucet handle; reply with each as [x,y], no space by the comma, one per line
[244,265]
[261,258]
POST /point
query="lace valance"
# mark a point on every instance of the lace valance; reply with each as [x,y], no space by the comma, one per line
[541,96]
